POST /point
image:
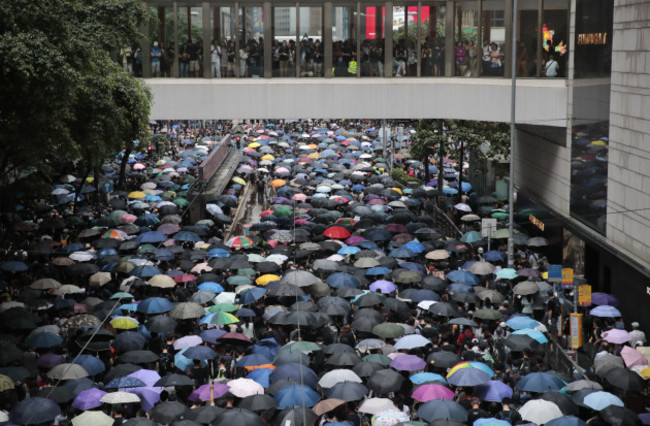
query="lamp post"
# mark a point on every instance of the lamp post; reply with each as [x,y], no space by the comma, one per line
[513,97]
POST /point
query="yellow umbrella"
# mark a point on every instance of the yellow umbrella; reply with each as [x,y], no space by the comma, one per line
[137,194]
[239,180]
[267,278]
[599,143]
[399,191]
[90,179]
[6,383]
[125,323]
[544,275]
[645,373]
[313,146]
[315,155]
[278,183]
[162,281]
[254,145]
[267,157]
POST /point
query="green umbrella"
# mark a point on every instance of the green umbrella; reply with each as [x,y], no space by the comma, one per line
[246,272]
[503,233]
[488,314]
[187,179]
[378,358]
[146,248]
[499,215]
[238,280]
[302,346]
[181,202]
[283,212]
[223,307]
[388,330]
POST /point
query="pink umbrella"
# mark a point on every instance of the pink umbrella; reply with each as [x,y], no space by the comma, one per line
[354,240]
[616,336]
[432,391]
[200,267]
[632,357]
[128,218]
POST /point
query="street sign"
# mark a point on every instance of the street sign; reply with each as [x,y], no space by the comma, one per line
[576,330]
[567,277]
[554,273]
[106,187]
[489,227]
[584,295]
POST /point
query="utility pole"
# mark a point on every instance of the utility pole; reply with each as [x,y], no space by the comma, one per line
[511,181]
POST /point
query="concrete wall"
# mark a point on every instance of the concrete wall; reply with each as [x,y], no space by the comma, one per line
[539,101]
[543,166]
[629,150]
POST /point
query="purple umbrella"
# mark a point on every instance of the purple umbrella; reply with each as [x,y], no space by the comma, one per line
[493,391]
[354,240]
[603,299]
[50,360]
[149,377]
[408,363]
[88,399]
[431,391]
[149,395]
[528,272]
[616,336]
[203,392]
[382,286]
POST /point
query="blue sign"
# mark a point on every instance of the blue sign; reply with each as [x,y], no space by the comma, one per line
[106,187]
[555,271]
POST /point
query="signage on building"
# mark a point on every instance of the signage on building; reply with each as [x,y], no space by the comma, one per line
[554,273]
[576,331]
[584,295]
[592,39]
[489,227]
[567,277]
[538,223]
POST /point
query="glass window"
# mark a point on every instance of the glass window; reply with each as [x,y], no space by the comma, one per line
[190,40]
[432,33]
[223,27]
[593,39]
[526,33]
[250,48]
[284,41]
[311,51]
[555,33]
[344,40]
[371,55]
[493,38]
[465,38]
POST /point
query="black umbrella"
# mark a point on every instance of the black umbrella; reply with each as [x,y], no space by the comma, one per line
[161,324]
[260,402]
[365,324]
[563,401]
[443,309]
[174,380]
[296,416]
[336,348]
[58,394]
[343,359]
[347,391]
[443,359]
[520,342]
[239,417]
[385,381]
[367,368]
[168,411]
[139,357]
[121,370]
[625,379]
[32,411]
[620,416]
[204,415]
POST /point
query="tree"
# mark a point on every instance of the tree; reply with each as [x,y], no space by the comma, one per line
[426,142]
[58,85]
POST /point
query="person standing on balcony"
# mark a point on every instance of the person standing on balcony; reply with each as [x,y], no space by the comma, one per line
[156,54]
[215,59]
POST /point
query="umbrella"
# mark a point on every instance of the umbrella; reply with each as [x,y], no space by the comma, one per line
[331,378]
[442,409]
[412,341]
[120,397]
[525,288]
[625,379]
[540,382]
[494,391]
[88,399]
[174,380]
[600,400]
[443,359]
[389,417]
[35,410]
[347,391]
[567,421]
[582,384]
[168,411]
[260,402]
[388,330]
[385,381]
[67,371]
[432,391]
[327,405]
[239,417]
[243,387]
[540,411]
[616,415]
[616,336]
[376,405]
[632,357]
[92,418]
[468,377]
[408,363]
[296,395]
[605,311]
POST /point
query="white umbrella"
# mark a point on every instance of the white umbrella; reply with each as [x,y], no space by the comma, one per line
[540,411]
[376,405]
[331,378]
[120,397]
[242,387]
[81,256]
[213,209]
[92,418]
[67,371]
[463,207]
[100,278]
[482,268]
[225,297]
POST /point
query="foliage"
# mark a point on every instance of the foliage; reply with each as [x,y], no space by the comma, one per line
[412,37]
[485,141]
[63,99]
[399,175]
[183,33]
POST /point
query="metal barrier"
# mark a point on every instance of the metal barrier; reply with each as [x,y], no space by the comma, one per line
[214,160]
[444,223]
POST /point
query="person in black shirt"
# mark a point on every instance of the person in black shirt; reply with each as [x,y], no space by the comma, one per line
[476,412]
[508,414]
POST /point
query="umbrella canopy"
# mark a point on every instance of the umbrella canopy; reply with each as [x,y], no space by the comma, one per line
[442,409]
[540,411]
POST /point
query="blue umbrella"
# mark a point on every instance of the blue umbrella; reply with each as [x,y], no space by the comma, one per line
[267,347]
[155,305]
[600,400]
[418,296]
[60,304]
[442,409]
[147,220]
[378,270]
[183,363]
[506,273]
[33,411]
[212,335]
[534,334]
[261,376]
[218,252]
[412,266]
[252,360]
[459,276]
[605,311]
[128,341]
[490,421]
[145,271]
[520,322]
[211,286]
[125,382]
[296,396]
[164,254]
[460,288]
[412,341]
[468,377]
[14,266]
[245,313]
[200,352]
[151,237]
[415,247]
[401,253]
[567,421]
[342,279]
[420,378]
[186,236]
[348,250]
[91,364]
[297,372]
[44,340]
[540,382]
[494,256]
[250,296]
[471,237]
[493,391]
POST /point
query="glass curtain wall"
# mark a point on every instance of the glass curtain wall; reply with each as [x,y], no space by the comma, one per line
[372,54]
[527,38]
[465,38]
[431,27]
[493,39]
[311,52]
[555,41]
[250,46]
[223,38]
[284,41]
[344,40]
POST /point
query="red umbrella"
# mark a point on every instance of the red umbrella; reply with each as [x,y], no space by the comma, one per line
[337,232]
[235,336]
[183,278]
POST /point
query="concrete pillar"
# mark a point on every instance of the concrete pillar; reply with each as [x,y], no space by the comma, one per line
[388,34]
[449,39]
[296,61]
[162,36]
[236,38]
[327,39]
[479,41]
[268,39]
[510,33]
[177,48]
[216,24]
[207,41]
[358,38]
[418,36]
[539,51]
[145,45]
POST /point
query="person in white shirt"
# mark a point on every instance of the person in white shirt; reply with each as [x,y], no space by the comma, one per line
[215,59]
[551,67]
[637,337]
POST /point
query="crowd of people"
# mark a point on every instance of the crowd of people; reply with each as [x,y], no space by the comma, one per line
[342,303]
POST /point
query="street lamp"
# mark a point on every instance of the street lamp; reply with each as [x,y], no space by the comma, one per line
[513,97]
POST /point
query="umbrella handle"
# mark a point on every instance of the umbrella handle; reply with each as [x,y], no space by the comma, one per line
[211,392]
